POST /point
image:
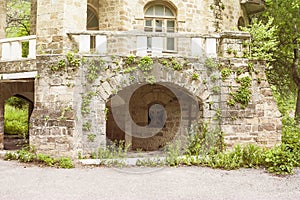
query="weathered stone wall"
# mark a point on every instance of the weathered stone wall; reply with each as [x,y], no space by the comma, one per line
[33,16]
[260,121]
[2,19]
[192,16]
[54,20]
[17,66]
[53,119]
[71,104]
[2,22]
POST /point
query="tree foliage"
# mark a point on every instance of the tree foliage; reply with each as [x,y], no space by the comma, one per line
[18,18]
[284,65]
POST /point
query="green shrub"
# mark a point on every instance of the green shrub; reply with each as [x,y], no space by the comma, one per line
[227,160]
[202,140]
[28,155]
[291,138]
[46,159]
[66,163]
[279,160]
[173,153]
[252,156]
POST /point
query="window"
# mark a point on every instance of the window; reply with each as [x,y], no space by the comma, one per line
[156,116]
[92,23]
[160,19]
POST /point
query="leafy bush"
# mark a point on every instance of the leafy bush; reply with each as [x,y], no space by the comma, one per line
[291,138]
[202,141]
[115,150]
[28,155]
[279,160]
[252,156]
[45,159]
[65,162]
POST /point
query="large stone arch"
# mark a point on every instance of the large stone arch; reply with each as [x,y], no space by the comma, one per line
[189,96]
[151,115]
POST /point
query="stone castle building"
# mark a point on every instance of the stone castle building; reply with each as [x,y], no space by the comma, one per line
[142,71]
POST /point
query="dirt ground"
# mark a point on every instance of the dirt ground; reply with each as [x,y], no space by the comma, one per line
[19,181]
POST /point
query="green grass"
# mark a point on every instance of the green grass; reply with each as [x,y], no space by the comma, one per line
[16,120]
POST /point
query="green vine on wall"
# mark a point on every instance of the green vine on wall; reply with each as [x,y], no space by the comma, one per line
[86,100]
[243,94]
[69,62]
[94,67]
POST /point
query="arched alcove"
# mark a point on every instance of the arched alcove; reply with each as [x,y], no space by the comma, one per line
[159,112]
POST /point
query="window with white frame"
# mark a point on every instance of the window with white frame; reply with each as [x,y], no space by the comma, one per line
[160,18]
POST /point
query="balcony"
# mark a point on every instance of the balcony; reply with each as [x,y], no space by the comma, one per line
[12,48]
[253,6]
[137,43]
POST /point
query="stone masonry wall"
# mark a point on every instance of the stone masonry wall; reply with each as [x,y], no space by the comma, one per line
[192,15]
[33,16]
[70,105]
[2,22]
[54,20]
[53,119]
[2,19]
[260,121]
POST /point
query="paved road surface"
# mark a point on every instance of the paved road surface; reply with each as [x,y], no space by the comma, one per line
[18,181]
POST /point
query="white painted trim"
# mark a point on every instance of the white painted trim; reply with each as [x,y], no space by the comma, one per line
[20,75]
[23,38]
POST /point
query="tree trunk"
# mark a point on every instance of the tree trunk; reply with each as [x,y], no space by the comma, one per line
[296,78]
[297,111]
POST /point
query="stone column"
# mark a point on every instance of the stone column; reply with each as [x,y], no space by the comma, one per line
[55,19]
[2,21]
[1,123]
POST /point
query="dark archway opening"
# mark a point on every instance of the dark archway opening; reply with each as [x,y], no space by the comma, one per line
[17,111]
[166,107]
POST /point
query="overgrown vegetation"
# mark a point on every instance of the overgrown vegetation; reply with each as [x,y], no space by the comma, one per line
[28,155]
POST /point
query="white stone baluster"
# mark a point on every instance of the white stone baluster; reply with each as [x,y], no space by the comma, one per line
[141,45]
[32,49]
[6,51]
[211,47]
[157,46]
[16,50]
[84,43]
[101,44]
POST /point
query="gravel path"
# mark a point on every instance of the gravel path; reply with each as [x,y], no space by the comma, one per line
[18,181]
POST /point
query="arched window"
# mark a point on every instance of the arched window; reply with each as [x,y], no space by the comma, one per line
[161,18]
[92,22]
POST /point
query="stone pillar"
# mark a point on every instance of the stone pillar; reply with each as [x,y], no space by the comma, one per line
[55,19]
[1,123]
[2,22]
[33,15]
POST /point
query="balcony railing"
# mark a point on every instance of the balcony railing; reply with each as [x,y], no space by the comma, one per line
[12,48]
[137,43]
